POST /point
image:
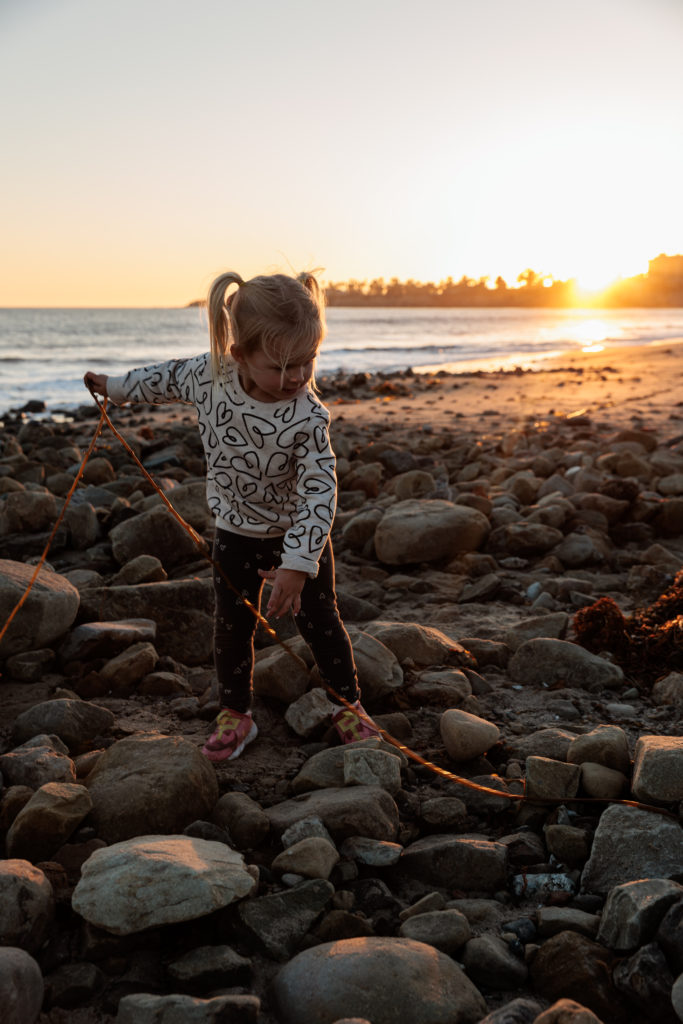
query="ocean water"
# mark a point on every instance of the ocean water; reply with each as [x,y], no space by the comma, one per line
[45,352]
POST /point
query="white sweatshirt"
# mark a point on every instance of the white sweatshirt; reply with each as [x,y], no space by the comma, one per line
[270,465]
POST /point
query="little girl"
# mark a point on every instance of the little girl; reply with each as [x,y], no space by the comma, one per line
[271,483]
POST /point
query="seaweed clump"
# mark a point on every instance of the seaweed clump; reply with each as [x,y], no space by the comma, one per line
[647,644]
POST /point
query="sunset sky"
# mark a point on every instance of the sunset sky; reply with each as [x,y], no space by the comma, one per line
[149,144]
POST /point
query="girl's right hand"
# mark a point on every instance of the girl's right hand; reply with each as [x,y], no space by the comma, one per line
[96,382]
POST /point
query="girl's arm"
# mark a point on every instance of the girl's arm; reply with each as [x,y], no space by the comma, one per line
[316,488]
[173,381]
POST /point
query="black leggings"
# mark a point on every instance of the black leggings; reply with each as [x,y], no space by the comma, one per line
[319,623]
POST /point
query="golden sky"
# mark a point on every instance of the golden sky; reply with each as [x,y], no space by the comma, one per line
[150,144]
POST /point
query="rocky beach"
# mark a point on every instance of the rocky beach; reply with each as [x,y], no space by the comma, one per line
[509,549]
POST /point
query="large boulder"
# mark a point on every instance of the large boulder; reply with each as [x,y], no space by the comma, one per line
[27,905]
[423,645]
[76,722]
[150,783]
[353,811]
[428,530]
[376,979]
[630,844]
[181,877]
[48,820]
[21,986]
[47,613]
[154,532]
[658,769]
[182,609]
[27,512]
[545,661]
[454,862]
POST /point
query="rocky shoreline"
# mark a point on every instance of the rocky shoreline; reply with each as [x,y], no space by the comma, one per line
[512,588]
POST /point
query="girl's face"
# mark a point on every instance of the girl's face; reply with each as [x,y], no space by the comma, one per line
[267,377]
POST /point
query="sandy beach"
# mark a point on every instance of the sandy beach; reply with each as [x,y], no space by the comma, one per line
[627,385]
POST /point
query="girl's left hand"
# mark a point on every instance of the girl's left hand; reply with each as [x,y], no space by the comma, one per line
[286,592]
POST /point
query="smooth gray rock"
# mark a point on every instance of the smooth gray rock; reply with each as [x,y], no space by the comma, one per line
[547,779]
[33,766]
[564,1011]
[545,661]
[670,936]
[553,743]
[279,921]
[21,986]
[371,851]
[376,979]
[553,920]
[606,745]
[379,671]
[634,911]
[658,769]
[454,863]
[306,828]
[74,721]
[326,769]
[30,666]
[466,736]
[428,530]
[489,961]
[630,844]
[47,821]
[27,905]
[309,712]
[553,625]
[143,1008]
[174,786]
[677,996]
[646,981]
[210,967]
[423,645]
[312,857]
[446,930]
[243,818]
[154,532]
[371,768]
[352,811]
[523,538]
[277,674]
[27,512]
[182,878]
[47,613]
[518,1011]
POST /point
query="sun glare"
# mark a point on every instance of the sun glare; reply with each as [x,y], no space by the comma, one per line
[591,333]
[594,279]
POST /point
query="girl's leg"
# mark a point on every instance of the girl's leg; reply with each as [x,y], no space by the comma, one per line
[321,626]
[240,558]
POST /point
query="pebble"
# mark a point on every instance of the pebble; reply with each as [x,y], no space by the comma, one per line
[313,857]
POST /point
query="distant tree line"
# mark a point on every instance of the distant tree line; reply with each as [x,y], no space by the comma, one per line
[662,285]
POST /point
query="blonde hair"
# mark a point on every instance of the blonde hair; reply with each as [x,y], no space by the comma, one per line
[274,313]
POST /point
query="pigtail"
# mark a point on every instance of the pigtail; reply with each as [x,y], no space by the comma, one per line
[310,282]
[218,313]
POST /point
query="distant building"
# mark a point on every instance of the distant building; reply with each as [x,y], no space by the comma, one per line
[665,279]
